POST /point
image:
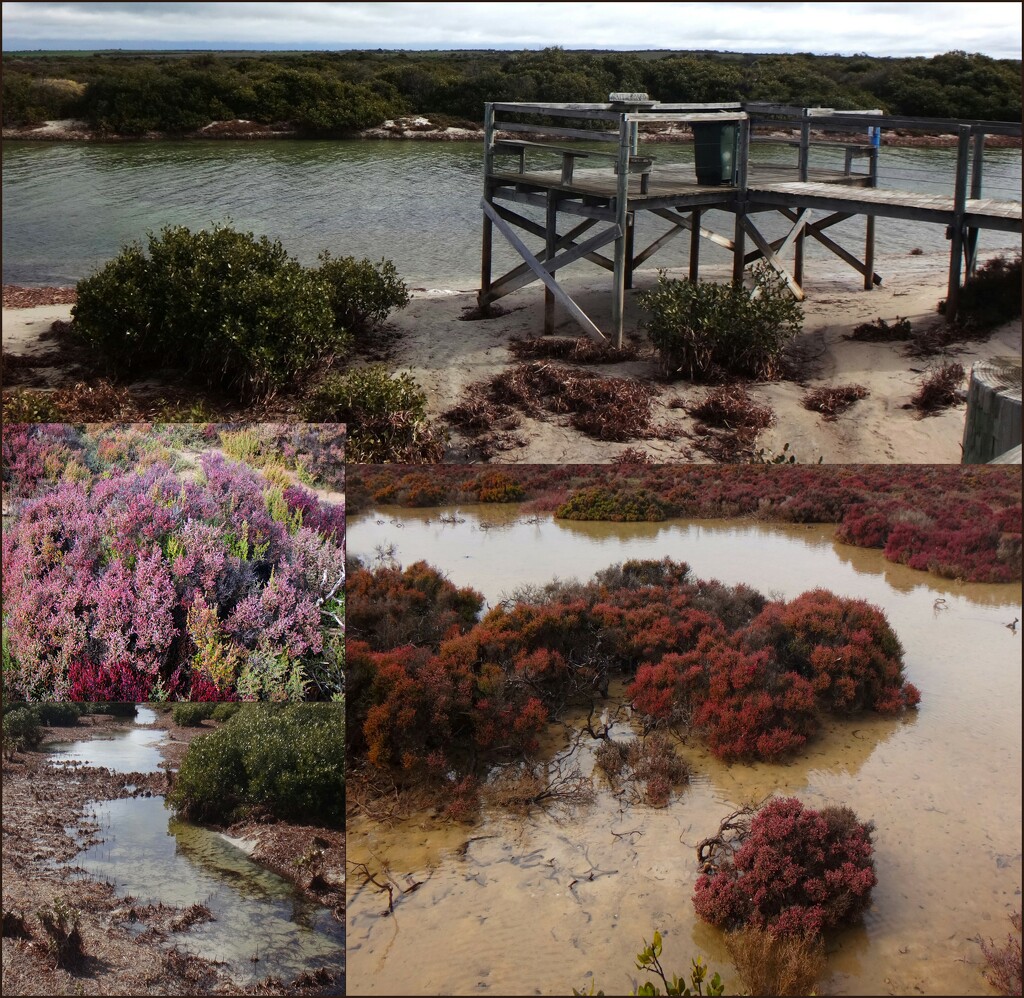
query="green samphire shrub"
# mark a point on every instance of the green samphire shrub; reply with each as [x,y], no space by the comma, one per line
[704,331]
[362,293]
[385,416]
[287,760]
[229,309]
[191,715]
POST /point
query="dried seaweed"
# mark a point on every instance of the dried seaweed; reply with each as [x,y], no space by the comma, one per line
[580,351]
[833,400]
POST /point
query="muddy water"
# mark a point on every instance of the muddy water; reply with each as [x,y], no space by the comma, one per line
[498,910]
[133,750]
[154,857]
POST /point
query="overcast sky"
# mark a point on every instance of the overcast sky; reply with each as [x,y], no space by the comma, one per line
[880,29]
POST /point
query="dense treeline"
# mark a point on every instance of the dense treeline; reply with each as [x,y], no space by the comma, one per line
[338,93]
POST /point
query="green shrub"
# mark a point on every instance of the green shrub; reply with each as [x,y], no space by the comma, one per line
[385,415]
[362,293]
[29,406]
[116,709]
[191,715]
[225,711]
[21,729]
[703,331]
[222,305]
[991,296]
[60,714]
[286,759]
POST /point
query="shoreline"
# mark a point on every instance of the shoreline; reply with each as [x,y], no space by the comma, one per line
[418,128]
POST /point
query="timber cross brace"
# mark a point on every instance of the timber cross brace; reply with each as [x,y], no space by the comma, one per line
[580,188]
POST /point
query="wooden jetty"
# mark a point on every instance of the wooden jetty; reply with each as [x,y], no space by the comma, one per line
[529,161]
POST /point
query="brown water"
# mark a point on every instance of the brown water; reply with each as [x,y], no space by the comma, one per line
[498,911]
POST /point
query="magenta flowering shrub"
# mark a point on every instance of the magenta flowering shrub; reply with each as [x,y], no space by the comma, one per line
[153,582]
[797,872]
[32,454]
[327,519]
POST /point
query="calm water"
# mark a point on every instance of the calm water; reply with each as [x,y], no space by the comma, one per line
[133,750]
[69,207]
[152,856]
[943,787]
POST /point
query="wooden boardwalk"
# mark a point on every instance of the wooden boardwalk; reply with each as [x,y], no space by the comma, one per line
[882,202]
[607,188]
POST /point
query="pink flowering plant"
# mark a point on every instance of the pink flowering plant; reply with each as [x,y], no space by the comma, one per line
[138,580]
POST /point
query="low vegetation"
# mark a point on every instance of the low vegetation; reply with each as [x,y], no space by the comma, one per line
[940,389]
[787,869]
[1003,962]
[228,309]
[833,400]
[705,331]
[385,415]
[285,761]
[436,693]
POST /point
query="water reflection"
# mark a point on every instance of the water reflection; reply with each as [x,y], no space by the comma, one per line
[131,750]
[154,859]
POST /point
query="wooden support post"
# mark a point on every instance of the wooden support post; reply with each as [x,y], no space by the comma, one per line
[630,236]
[695,245]
[971,242]
[739,230]
[803,169]
[621,219]
[869,225]
[550,239]
[488,234]
[956,230]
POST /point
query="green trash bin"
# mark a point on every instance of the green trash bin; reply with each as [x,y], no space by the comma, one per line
[714,152]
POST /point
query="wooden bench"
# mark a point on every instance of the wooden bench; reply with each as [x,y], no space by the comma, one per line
[637,164]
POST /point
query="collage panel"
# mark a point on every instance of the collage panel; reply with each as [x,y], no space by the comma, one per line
[674,396]
[623,717]
[173,708]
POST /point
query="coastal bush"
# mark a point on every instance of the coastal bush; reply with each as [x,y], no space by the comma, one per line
[796,872]
[991,296]
[21,729]
[225,711]
[63,715]
[220,305]
[385,415]
[704,331]
[284,760]
[191,715]
[362,293]
[616,505]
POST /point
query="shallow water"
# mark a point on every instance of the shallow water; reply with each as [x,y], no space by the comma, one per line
[133,750]
[498,911]
[68,207]
[154,857]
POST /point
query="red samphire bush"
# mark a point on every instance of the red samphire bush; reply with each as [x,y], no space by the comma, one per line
[797,872]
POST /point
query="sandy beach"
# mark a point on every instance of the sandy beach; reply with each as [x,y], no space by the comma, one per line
[446,355]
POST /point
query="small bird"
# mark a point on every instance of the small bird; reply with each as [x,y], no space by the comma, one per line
[1013,625]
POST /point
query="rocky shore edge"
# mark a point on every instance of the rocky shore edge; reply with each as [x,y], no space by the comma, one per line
[421,128]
